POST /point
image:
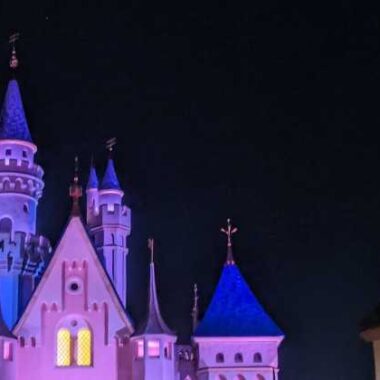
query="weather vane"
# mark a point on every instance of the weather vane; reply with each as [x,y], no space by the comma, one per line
[229,231]
[110,143]
[13,63]
[151,248]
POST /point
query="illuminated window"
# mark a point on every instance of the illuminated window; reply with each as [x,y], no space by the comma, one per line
[63,348]
[84,347]
[154,348]
[7,351]
[140,348]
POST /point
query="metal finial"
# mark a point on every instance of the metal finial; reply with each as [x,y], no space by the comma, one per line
[151,248]
[229,231]
[195,310]
[110,143]
[75,189]
[13,62]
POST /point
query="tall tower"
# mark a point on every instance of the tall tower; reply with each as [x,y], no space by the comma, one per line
[22,252]
[109,221]
[153,343]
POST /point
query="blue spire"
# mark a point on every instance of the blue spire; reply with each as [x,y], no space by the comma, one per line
[13,124]
[93,181]
[235,311]
[110,180]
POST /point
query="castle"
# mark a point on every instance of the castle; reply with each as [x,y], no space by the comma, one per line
[63,312]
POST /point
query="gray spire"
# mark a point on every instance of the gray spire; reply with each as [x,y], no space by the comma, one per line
[154,323]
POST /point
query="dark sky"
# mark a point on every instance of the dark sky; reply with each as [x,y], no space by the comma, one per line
[266,112]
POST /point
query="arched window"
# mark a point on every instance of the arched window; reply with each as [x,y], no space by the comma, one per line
[238,358]
[219,358]
[63,358]
[84,347]
[220,377]
[239,377]
[257,358]
[260,377]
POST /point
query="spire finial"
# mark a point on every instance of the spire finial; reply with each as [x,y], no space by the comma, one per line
[75,189]
[13,62]
[110,143]
[229,231]
[151,249]
[195,310]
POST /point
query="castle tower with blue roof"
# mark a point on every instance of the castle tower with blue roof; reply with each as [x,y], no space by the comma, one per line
[236,338]
[22,252]
[109,221]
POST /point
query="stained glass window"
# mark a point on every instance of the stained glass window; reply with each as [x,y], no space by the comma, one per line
[63,348]
[84,348]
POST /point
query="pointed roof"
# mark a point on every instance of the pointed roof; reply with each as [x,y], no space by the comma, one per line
[13,124]
[75,245]
[234,310]
[93,181]
[4,331]
[110,180]
[154,323]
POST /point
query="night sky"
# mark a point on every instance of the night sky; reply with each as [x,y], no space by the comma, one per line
[265,112]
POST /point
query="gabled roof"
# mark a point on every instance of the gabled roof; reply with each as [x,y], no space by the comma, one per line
[13,124]
[110,180]
[93,181]
[154,323]
[234,310]
[75,245]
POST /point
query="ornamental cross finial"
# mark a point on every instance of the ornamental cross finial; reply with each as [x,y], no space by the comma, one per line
[229,231]
[151,248]
[13,62]
[195,311]
[75,189]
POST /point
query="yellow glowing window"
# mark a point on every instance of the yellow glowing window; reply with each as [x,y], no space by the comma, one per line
[63,348]
[154,348]
[140,348]
[84,353]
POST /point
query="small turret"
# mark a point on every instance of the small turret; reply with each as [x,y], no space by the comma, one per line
[109,221]
[154,342]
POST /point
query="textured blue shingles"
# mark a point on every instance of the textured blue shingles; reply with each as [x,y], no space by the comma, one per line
[93,181]
[235,311]
[13,124]
[110,180]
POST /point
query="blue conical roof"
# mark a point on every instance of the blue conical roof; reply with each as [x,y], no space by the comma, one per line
[154,323]
[13,124]
[93,181]
[234,310]
[110,180]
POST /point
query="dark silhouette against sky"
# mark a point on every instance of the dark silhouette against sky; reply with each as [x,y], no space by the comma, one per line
[265,112]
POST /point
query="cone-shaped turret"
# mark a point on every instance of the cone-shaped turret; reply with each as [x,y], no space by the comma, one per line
[154,323]
[234,310]
[93,181]
[110,180]
[13,124]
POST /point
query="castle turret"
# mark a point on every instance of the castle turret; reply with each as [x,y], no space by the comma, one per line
[109,221]
[236,338]
[153,343]
[22,252]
